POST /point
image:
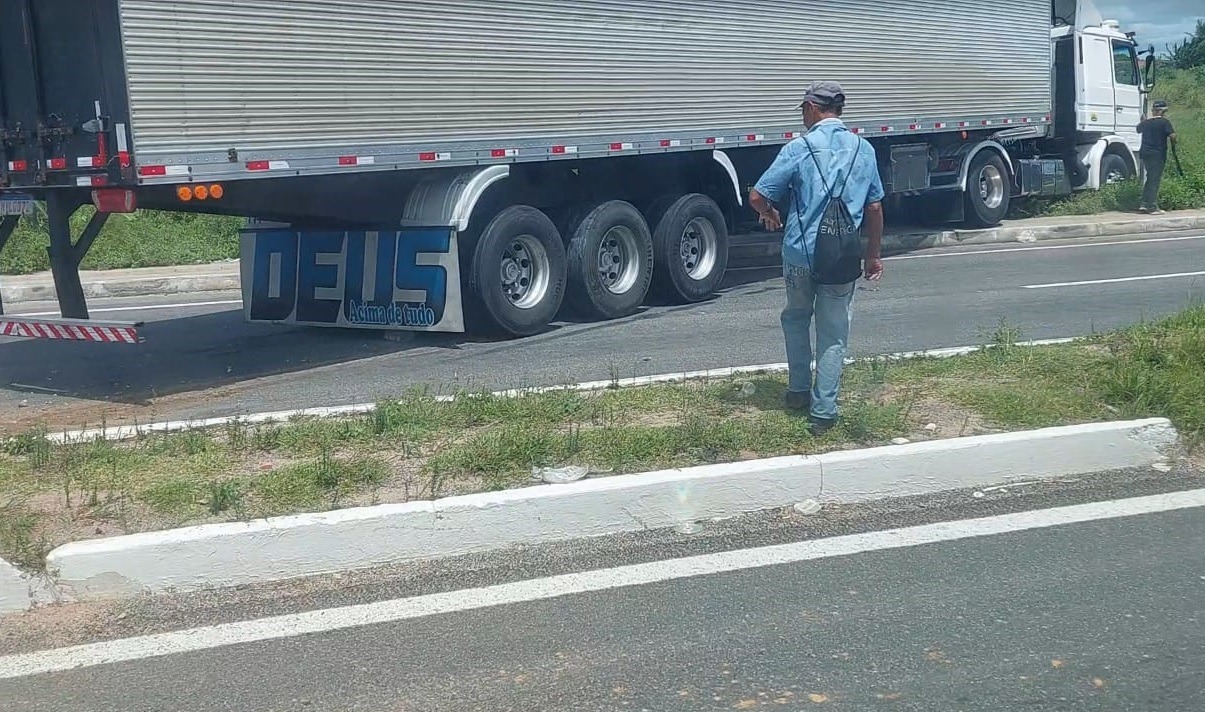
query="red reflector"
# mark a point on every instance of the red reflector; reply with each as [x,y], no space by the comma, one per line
[19,165]
[58,164]
[348,160]
[151,171]
[558,150]
[258,165]
[123,159]
[498,153]
[113,200]
[617,147]
[426,156]
[710,141]
[914,127]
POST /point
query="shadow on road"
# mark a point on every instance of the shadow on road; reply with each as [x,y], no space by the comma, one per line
[196,353]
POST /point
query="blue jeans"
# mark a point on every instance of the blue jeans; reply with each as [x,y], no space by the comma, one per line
[831,305]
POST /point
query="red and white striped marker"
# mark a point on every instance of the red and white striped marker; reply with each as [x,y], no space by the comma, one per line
[64,331]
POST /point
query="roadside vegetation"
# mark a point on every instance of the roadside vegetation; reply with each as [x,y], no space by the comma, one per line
[143,239]
[423,447]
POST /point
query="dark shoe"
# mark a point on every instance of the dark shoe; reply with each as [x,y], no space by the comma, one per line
[797,401]
[821,426]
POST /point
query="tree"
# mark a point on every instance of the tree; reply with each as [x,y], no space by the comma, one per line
[1190,52]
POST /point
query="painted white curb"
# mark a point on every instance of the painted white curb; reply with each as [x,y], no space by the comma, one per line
[129,432]
[14,589]
[226,555]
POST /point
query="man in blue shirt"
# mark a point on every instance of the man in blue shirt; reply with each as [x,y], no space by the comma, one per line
[801,178]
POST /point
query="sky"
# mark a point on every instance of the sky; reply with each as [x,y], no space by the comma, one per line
[1157,22]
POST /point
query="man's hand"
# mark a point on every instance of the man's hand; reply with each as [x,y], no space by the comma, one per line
[771,220]
[874,269]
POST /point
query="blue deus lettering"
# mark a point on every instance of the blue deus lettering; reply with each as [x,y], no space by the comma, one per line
[313,276]
[377,274]
[432,280]
[274,276]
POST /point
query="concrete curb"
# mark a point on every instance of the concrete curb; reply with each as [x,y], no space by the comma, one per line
[226,555]
[15,592]
[1028,234]
[127,287]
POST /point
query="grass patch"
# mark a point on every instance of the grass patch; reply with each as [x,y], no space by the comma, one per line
[144,239]
[422,446]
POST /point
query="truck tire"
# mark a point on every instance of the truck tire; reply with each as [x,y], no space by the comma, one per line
[691,248]
[1114,169]
[517,276]
[610,262]
[988,192]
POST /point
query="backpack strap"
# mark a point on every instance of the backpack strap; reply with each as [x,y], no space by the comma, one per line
[848,173]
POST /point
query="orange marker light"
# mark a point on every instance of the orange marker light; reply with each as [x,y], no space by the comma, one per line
[201,192]
[184,193]
[216,191]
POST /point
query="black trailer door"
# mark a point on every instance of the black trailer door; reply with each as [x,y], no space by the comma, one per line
[63,109]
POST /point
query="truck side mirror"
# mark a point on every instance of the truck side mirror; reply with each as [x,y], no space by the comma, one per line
[1149,71]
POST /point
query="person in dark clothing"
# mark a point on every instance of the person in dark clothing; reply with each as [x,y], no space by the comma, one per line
[1157,132]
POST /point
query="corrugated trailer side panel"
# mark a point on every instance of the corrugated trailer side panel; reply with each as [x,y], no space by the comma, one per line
[253,84]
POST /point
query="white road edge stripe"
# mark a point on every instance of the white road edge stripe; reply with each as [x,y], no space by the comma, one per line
[126,432]
[334,619]
[1118,280]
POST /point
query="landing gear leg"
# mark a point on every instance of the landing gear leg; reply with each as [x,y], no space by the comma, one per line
[66,255]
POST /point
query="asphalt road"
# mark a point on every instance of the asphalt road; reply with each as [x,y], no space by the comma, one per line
[201,360]
[1060,612]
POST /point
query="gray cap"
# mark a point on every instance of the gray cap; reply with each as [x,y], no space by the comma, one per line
[1160,105]
[824,94]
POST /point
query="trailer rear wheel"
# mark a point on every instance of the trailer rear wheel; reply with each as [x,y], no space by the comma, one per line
[691,245]
[988,190]
[518,272]
[610,262]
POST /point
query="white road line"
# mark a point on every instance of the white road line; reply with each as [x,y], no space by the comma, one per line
[1038,248]
[1090,282]
[334,619]
[127,432]
[144,307]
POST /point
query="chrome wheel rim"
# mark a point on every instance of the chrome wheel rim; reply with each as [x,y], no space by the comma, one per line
[1114,176]
[699,248]
[526,272]
[991,187]
[619,260]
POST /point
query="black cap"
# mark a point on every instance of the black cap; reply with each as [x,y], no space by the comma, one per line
[827,95]
[1159,105]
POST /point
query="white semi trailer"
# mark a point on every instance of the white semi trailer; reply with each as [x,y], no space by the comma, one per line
[440,164]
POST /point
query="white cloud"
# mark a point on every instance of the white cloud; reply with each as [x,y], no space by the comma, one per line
[1157,22]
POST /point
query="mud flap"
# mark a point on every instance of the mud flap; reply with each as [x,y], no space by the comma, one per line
[389,279]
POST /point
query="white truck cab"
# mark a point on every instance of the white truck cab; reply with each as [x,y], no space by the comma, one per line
[1100,92]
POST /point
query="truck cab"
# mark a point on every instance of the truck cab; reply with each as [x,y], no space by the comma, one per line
[1099,93]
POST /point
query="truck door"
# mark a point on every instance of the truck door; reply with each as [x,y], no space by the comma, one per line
[63,114]
[1098,109]
[1127,92]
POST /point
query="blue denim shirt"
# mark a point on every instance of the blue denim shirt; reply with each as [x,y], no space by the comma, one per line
[795,172]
